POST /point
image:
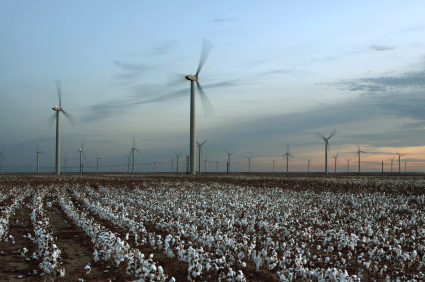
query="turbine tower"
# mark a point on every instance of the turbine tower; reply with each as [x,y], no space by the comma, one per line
[399,156]
[134,149]
[178,155]
[249,163]
[336,160]
[174,78]
[348,167]
[51,120]
[129,156]
[286,156]
[273,164]
[358,153]
[405,164]
[65,162]
[38,163]
[97,163]
[308,165]
[1,154]
[392,160]
[228,163]
[81,157]
[172,164]
[326,147]
[200,152]
[205,162]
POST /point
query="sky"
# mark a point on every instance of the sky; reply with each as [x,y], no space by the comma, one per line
[278,72]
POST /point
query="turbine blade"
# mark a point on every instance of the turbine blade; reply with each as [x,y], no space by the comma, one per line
[320,135]
[58,87]
[137,150]
[134,143]
[175,78]
[208,108]
[37,147]
[69,117]
[51,120]
[205,141]
[206,49]
[332,134]
[82,145]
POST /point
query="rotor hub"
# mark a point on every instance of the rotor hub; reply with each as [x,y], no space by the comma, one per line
[57,108]
[192,77]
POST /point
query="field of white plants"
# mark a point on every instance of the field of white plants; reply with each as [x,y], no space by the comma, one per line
[212,228]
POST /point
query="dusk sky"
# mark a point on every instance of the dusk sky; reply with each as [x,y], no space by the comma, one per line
[279,72]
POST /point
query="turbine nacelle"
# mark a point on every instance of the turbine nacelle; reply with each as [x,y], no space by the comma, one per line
[57,108]
[192,77]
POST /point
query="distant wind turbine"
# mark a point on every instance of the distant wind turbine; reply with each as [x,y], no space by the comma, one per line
[348,167]
[405,164]
[392,160]
[273,164]
[51,120]
[172,164]
[1,154]
[205,162]
[336,160]
[81,157]
[228,163]
[249,163]
[174,78]
[178,155]
[308,165]
[129,157]
[38,159]
[287,155]
[65,162]
[358,153]
[134,149]
[97,163]
[399,156]
[154,166]
[326,147]
[200,152]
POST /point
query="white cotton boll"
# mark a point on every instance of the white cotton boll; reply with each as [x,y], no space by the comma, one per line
[243,264]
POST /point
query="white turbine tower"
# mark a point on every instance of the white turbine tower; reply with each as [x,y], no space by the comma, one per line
[273,164]
[336,160]
[286,156]
[249,163]
[326,147]
[38,159]
[399,161]
[81,157]
[174,78]
[200,152]
[348,167]
[178,155]
[308,165]
[392,160]
[358,153]
[228,163]
[1,167]
[52,119]
[134,149]
[97,163]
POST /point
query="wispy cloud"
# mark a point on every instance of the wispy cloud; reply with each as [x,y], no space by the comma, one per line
[271,72]
[165,47]
[222,20]
[381,48]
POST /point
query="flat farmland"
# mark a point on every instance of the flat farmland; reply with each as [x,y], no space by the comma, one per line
[242,227]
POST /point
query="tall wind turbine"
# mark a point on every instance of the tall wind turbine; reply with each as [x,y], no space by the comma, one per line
[1,154]
[228,163]
[200,152]
[51,120]
[65,162]
[286,156]
[38,163]
[392,160]
[81,157]
[178,155]
[273,164]
[134,149]
[358,153]
[249,163]
[348,167]
[308,165]
[97,163]
[399,156]
[336,160]
[326,147]
[174,78]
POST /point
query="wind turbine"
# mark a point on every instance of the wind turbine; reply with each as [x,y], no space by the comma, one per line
[308,165]
[336,160]
[178,155]
[249,163]
[129,156]
[287,155]
[228,163]
[200,152]
[134,149]
[358,153]
[205,160]
[405,164]
[65,162]
[1,154]
[172,164]
[38,152]
[273,164]
[399,156]
[174,78]
[326,147]
[154,166]
[216,166]
[51,120]
[392,160]
[81,157]
[97,163]
[348,164]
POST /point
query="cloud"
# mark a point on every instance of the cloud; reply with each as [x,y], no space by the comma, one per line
[165,47]
[222,20]
[271,72]
[381,48]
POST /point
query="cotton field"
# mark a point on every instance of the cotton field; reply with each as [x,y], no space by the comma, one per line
[212,228]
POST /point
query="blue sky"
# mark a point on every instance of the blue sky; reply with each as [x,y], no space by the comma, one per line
[278,72]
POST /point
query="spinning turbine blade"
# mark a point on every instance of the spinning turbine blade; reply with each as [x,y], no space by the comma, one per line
[206,49]
[58,87]
[51,120]
[206,104]
[175,78]
[69,117]
[332,134]
[320,135]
